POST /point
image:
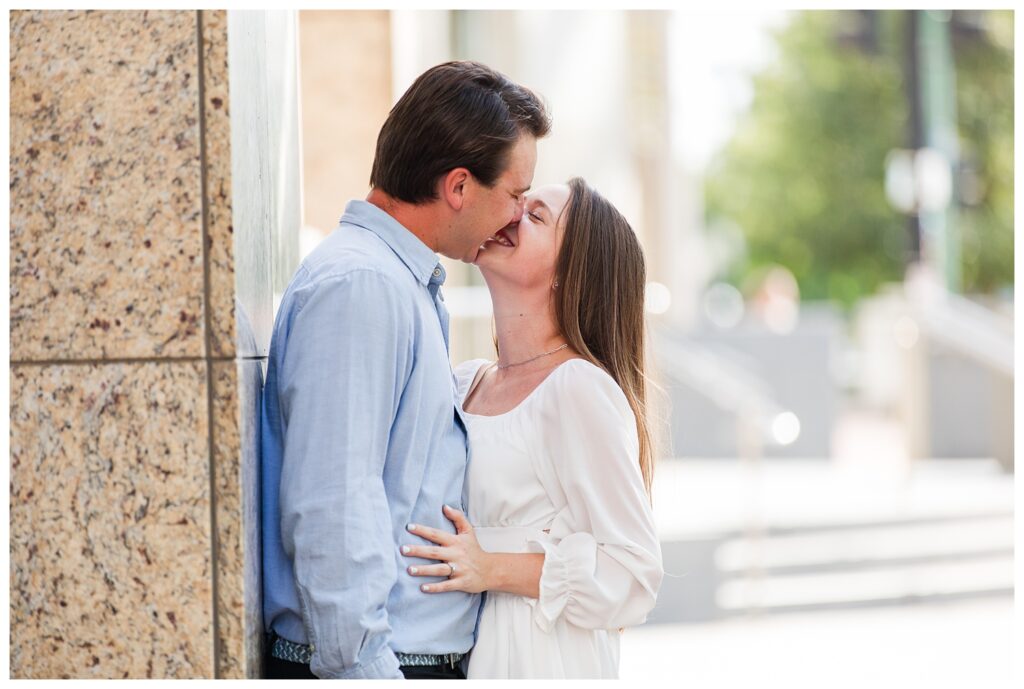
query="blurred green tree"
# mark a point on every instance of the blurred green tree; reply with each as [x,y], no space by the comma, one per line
[983,50]
[803,175]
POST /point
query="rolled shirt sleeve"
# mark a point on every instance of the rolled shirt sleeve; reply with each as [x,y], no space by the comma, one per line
[349,335]
[604,566]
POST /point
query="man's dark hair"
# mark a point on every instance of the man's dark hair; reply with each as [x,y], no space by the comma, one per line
[457,114]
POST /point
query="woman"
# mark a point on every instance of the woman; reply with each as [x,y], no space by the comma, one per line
[560,532]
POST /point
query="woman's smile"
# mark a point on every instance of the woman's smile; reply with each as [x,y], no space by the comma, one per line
[506,236]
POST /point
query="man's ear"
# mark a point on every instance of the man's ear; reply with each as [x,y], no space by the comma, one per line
[453,187]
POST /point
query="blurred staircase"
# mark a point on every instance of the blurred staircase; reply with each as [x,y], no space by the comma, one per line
[923,547]
[854,565]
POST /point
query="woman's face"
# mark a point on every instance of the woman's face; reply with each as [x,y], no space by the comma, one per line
[524,255]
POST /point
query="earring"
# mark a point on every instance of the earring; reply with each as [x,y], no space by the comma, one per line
[555,286]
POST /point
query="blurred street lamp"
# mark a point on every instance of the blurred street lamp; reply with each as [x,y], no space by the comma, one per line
[918,181]
[899,180]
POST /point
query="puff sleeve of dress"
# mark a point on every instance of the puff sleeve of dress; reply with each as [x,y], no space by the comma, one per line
[603,565]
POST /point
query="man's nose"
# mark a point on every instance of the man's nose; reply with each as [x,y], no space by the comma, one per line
[520,208]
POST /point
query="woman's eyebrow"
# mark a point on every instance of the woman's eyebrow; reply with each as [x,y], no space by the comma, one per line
[538,202]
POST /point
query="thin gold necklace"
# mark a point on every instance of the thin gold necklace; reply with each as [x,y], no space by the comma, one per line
[502,367]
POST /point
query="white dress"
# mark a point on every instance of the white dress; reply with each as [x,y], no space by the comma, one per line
[559,474]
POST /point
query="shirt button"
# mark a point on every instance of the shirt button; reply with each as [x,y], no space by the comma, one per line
[437,272]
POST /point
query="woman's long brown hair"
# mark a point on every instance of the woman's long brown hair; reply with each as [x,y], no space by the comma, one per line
[599,301]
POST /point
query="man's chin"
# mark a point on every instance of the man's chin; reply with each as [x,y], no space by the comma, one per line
[476,254]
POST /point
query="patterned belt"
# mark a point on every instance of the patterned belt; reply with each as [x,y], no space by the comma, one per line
[291,651]
[301,653]
[426,659]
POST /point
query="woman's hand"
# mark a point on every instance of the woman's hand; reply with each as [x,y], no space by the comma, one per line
[470,562]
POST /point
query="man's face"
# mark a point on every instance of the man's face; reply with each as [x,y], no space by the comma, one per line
[488,209]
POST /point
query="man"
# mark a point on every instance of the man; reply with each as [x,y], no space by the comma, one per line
[361,429]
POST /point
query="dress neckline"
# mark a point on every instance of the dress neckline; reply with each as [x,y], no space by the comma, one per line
[523,401]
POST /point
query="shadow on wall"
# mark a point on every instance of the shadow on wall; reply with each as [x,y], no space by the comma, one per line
[250,401]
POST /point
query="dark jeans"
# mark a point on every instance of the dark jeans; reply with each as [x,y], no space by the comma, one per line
[275,668]
[285,669]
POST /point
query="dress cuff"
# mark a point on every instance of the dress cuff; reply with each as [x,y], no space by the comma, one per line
[556,575]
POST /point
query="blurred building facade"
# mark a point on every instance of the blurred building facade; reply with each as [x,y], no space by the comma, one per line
[345,85]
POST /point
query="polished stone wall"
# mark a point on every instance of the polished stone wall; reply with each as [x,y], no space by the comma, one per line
[136,367]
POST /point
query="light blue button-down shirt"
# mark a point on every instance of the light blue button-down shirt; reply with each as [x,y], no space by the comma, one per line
[361,436]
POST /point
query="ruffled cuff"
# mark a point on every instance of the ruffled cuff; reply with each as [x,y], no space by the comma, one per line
[556,577]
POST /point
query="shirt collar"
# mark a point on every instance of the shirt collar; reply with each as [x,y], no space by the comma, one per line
[417,256]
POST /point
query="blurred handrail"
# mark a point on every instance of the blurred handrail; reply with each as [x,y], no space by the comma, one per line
[973,330]
[727,385]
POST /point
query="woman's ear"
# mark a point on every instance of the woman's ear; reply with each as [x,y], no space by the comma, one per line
[453,187]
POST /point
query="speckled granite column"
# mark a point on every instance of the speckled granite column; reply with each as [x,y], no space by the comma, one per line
[135,376]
